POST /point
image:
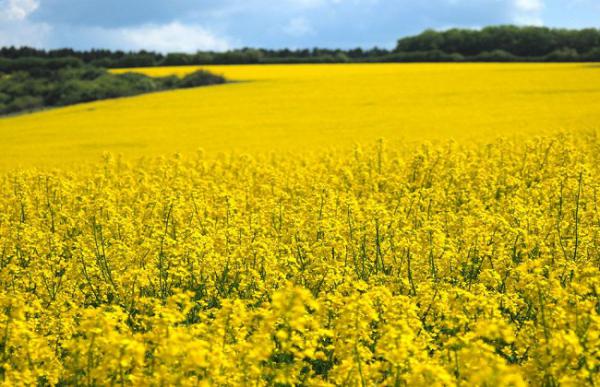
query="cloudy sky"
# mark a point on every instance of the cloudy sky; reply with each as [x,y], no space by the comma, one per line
[190,25]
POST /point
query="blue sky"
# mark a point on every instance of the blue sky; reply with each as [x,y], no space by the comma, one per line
[190,25]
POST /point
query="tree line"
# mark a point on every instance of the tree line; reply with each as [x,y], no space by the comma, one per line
[526,42]
[28,84]
[496,43]
[121,59]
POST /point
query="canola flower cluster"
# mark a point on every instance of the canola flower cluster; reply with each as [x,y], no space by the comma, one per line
[429,264]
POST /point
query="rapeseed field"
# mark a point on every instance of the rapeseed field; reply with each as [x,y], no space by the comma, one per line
[445,233]
[312,107]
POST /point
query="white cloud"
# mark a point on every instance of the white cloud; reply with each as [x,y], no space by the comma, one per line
[16,30]
[528,20]
[299,26]
[16,10]
[528,12]
[171,37]
[23,33]
[529,5]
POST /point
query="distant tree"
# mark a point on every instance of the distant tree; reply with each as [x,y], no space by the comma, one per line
[202,58]
[136,60]
[519,41]
[177,59]
[489,43]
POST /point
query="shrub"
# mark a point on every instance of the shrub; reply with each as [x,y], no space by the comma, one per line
[592,55]
[495,56]
[62,82]
[26,102]
[4,97]
[168,82]
[423,56]
[563,55]
[201,78]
